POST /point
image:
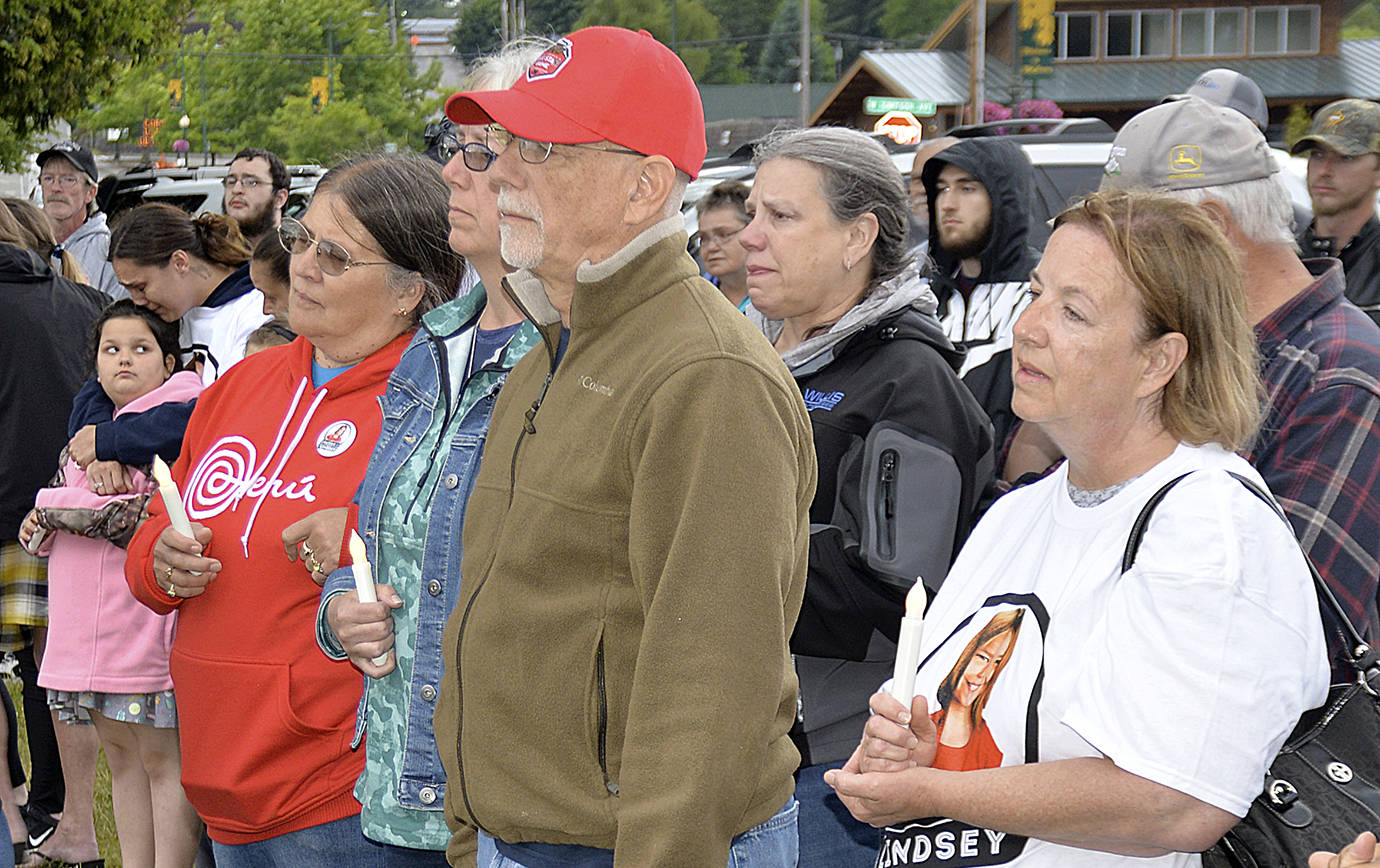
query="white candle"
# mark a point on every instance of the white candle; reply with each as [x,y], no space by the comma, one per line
[364,579]
[172,498]
[908,646]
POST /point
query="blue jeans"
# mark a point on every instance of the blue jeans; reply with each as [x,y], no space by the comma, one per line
[773,844]
[338,844]
[829,836]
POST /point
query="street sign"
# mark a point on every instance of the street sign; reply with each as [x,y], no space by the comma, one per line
[880,105]
[902,127]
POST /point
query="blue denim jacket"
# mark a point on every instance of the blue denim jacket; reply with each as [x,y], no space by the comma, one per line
[418,481]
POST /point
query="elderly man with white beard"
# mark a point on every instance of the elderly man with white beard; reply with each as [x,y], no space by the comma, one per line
[618,686]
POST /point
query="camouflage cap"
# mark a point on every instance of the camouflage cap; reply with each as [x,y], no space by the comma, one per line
[1347,126]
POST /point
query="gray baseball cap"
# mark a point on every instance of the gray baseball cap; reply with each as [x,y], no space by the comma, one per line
[1186,144]
[1227,87]
[1347,126]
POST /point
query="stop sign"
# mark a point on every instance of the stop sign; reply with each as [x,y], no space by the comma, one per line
[902,127]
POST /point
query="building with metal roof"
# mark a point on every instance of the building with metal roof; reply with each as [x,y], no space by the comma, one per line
[1291,50]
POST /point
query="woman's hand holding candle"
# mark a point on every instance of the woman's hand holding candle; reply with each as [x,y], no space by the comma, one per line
[179,568]
[364,580]
[908,645]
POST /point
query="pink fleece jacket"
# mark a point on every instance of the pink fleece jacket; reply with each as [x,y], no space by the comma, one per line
[99,637]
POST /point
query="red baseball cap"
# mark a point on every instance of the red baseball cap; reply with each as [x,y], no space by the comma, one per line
[600,84]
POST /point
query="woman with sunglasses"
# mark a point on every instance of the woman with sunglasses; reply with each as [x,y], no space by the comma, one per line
[411,505]
[722,215]
[268,722]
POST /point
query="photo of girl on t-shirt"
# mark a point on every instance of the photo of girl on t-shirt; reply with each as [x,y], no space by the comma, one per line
[965,741]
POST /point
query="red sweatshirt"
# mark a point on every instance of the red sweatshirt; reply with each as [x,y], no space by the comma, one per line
[266,719]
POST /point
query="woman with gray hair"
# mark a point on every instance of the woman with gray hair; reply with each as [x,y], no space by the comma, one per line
[904,450]
[268,732]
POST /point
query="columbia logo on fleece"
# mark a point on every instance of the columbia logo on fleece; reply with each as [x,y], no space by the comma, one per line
[817,400]
[593,385]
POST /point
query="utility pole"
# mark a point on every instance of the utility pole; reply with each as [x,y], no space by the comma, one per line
[804,62]
[674,40]
[977,59]
[330,59]
[205,142]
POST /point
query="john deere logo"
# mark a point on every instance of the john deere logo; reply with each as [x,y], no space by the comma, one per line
[552,61]
[1185,158]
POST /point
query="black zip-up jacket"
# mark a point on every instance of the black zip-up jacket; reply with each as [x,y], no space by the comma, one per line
[1004,170]
[904,453]
[1360,261]
[44,358]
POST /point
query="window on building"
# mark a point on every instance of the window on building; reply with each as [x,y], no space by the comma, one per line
[1212,32]
[1076,35]
[1284,30]
[1138,34]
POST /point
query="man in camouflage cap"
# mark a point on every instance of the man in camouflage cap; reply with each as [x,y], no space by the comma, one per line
[1343,148]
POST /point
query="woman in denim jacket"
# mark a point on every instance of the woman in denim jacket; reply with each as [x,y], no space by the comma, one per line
[411,504]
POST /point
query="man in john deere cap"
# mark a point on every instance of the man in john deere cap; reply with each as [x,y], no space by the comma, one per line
[1319,355]
[68,176]
[618,685]
[1343,149]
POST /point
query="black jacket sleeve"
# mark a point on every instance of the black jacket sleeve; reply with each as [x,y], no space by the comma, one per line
[133,438]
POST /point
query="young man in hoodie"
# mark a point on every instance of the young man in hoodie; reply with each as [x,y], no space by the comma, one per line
[979,193]
[68,177]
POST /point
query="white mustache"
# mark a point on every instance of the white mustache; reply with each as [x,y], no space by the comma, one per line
[510,203]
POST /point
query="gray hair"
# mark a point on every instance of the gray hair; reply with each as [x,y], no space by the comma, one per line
[500,70]
[1261,208]
[402,202]
[857,178]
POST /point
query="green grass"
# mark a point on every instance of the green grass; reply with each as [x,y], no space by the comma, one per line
[106,839]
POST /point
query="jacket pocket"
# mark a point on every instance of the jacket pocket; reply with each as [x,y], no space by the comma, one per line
[247,754]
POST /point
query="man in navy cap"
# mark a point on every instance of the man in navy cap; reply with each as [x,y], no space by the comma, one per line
[68,177]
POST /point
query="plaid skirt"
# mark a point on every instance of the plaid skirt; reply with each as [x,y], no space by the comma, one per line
[23,594]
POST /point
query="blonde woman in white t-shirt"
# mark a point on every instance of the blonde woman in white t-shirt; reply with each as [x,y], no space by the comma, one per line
[1137,712]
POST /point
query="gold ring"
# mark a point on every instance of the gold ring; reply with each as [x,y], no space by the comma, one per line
[306,550]
[313,564]
[167,577]
[172,590]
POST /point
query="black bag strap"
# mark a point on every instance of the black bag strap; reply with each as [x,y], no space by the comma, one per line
[1362,657]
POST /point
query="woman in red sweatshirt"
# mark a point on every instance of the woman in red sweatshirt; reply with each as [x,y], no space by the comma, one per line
[267,720]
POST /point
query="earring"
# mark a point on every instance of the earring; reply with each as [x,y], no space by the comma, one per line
[402,312]
[848,265]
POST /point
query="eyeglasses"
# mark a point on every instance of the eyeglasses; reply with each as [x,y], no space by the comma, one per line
[248,182]
[59,180]
[477,155]
[717,237]
[331,258]
[535,152]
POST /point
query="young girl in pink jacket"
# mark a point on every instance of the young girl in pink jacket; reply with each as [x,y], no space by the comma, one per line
[106,658]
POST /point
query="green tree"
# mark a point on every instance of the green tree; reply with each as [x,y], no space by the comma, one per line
[259,57]
[693,23]
[478,30]
[58,55]
[914,20]
[746,19]
[780,60]
[1363,22]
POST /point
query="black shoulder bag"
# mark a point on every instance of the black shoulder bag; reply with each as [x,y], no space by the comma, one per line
[1324,786]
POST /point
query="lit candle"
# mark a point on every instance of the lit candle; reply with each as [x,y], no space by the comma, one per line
[172,498]
[364,579]
[908,646]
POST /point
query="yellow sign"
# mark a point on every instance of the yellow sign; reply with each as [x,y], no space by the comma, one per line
[903,128]
[320,91]
[175,90]
[1037,38]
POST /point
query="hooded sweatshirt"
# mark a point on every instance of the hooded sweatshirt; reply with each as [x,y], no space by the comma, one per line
[89,244]
[980,320]
[99,637]
[266,719]
[904,452]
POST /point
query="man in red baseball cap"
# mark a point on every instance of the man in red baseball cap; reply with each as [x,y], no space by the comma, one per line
[618,687]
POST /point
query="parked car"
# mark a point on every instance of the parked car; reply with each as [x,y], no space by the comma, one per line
[194,190]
